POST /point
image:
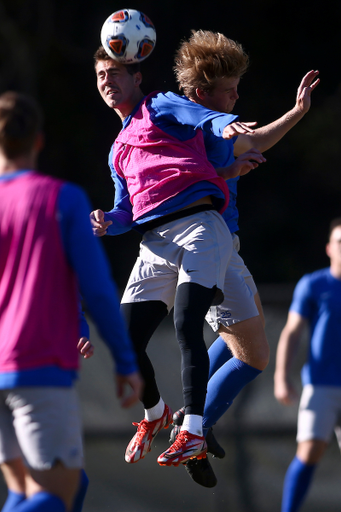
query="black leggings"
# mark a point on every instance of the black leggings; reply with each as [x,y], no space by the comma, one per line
[191,304]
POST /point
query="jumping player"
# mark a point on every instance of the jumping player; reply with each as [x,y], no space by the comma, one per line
[316,305]
[208,68]
[47,249]
[166,189]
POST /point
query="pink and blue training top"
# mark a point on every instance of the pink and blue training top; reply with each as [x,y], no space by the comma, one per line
[317,297]
[47,249]
[173,134]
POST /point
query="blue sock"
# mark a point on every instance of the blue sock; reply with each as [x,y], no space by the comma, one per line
[13,499]
[83,487]
[296,484]
[41,502]
[223,387]
[218,353]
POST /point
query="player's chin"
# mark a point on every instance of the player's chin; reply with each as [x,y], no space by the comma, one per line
[111,101]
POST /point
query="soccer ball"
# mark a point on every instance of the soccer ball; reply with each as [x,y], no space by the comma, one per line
[128,36]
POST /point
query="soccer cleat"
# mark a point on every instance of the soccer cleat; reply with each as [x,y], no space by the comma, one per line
[140,444]
[185,447]
[178,416]
[174,433]
[201,471]
[213,446]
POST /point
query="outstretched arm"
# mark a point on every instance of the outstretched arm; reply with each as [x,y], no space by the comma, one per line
[286,351]
[267,136]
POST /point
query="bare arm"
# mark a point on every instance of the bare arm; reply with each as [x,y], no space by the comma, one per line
[286,352]
[267,136]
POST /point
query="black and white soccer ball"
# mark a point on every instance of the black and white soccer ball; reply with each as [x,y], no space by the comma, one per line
[128,36]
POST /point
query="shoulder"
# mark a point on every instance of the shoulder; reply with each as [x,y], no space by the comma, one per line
[312,283]
[72,197]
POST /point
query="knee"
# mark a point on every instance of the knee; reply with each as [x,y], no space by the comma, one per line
[250,346]
[311,452]
[261,357]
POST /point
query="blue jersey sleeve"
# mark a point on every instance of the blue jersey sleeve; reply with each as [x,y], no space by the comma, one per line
[86,256]
[121,215]
[302,302]
[84,330]
[178,114]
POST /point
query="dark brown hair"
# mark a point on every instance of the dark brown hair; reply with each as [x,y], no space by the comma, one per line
[20,123]
[101,54]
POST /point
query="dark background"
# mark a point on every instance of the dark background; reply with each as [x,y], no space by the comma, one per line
[47,46]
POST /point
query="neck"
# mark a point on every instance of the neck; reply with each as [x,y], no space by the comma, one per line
[335,270]
[123,111]
[8,166]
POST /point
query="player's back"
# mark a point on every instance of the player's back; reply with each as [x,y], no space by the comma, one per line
[38,293]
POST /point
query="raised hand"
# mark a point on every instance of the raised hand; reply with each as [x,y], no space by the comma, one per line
[308,84]
[233,129]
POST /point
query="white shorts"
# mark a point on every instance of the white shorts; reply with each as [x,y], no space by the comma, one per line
[319,413]
[41,425]
[193,249]
[239,291]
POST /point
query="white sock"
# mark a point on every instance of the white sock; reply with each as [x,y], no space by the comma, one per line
[154,413]
[193,424]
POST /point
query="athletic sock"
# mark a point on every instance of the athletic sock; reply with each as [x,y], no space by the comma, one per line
[219,354]
[13,499]
[193,424]
[154,413]
[296,483]
[80,496]
[41,502]
[223,387]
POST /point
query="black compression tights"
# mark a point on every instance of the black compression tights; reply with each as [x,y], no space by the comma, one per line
[191,304]
[142,319]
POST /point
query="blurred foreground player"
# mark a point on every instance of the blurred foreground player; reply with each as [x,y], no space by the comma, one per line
[47,249]
[316,305]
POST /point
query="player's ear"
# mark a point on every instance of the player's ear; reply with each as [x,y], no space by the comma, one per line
[137,78]
[39,142]
[200,94]
[328,250]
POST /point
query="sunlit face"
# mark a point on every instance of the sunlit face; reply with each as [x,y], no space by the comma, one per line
[333,248]
[223,97]
[117,87]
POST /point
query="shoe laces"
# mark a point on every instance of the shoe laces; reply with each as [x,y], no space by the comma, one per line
[181,438]
[142,429]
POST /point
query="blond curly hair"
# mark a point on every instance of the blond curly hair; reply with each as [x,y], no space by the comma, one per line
[205,58]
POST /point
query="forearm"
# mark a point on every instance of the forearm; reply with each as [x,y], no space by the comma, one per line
[267,136]
[121,221]
[286,352]
[229,172]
